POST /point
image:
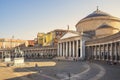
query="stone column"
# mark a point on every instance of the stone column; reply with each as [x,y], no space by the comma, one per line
[70,49]
[107,51]
[63,49]
[88,53]
[111,50]
[95,50]
[73,49]
[115,52]
[66,49]
[103,56]
[99,52]
[119,53]
[58,50]
[77,48]
[82,49]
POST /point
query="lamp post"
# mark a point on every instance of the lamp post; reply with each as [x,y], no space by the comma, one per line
[69,75]
[11,41]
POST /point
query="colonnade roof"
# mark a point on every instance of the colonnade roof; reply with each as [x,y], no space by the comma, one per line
[111,38]
[39,48]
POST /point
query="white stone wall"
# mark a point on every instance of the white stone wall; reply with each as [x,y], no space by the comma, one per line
[94,23]
[105,32]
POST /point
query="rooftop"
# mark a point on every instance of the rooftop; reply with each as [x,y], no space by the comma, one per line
[98,13]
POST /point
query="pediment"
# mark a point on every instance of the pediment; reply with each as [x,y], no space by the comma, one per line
[69,35]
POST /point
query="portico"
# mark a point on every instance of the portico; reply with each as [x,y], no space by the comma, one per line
[69,46]
[107,49]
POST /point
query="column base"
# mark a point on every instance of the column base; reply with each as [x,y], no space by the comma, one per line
[103,59]
[99,59]
[115,60]
[119,61]
[111,60]
[106,59]
[95,58]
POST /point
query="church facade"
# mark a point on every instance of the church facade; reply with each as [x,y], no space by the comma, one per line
[96,36]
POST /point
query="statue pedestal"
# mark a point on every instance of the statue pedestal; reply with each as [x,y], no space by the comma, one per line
[7,59]
[18,61]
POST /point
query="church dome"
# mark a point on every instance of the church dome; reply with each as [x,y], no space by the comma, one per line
[105,30]
[98,13]
[91,22]
[103,26]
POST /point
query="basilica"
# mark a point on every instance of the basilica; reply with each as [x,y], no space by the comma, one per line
[96,37]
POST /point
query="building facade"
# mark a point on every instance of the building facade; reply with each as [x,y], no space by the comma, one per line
[40,38]
[11,43]
[96,36]
[31,43]
[51,38]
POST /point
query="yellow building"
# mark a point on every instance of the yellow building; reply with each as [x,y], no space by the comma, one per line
[51,38]
[40,38]
[47,40]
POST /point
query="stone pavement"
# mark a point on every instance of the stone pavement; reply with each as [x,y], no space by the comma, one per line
[112,71]
[8,73]
[62,70]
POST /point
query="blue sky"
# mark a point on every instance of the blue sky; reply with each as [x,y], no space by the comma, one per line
[25,18]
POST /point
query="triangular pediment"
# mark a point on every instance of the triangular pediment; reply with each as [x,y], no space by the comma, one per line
[69,35]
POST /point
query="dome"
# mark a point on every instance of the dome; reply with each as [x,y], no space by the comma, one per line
[97,19]
[98,13]
[105,30]
[105,26]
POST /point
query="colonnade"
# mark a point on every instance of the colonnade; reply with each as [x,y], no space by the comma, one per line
[69,49]
[40,52]
[104,51]
[5,53]
[48,52]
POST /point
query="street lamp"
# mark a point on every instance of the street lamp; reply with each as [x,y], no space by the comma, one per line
[11,40]
[69,75]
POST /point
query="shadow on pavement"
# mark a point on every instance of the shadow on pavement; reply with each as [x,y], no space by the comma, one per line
[33,76]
